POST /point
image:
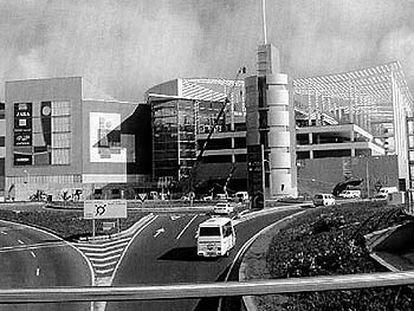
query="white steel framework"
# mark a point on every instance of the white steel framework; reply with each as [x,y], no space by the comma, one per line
[377,99]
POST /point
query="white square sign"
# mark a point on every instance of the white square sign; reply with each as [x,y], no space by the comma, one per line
[104,209]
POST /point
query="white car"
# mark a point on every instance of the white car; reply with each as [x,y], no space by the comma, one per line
[223,208]
[241,196]
[323,199]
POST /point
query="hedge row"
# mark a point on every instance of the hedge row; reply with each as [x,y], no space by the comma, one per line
[330,241]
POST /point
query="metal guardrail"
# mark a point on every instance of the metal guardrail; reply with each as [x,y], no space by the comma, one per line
[219,289]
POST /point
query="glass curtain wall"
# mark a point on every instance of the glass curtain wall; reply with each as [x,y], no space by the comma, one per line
[165,139]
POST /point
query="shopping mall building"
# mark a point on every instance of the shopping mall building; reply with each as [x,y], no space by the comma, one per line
[67,136]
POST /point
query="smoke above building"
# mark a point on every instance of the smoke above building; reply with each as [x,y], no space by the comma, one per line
[125,47]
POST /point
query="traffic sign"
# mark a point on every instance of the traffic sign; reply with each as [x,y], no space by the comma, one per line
[142,197]
[191,195]
[104,209]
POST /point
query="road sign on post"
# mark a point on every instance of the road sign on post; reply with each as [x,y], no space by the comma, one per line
[191,196]
[104,209]
[142,197]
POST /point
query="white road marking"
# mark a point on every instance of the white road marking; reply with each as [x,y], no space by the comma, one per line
[2,232]
[159,231]
[20,241]
[38,271]
[175,217]
[33,254]
[186,227]
[26,247]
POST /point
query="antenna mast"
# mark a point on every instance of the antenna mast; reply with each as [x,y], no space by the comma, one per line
[264,21]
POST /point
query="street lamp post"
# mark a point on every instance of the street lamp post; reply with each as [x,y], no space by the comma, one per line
[26,181]
[367,176]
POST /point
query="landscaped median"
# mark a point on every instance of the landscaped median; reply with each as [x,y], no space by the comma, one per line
[324,241]
[69,224]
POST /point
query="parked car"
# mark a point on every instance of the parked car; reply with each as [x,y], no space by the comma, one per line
[323,199]
[350,194]
[385,191]
[207,198]
[241,196]
[223,208]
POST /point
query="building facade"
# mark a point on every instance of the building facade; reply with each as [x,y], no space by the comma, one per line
[66,137]
[184,113]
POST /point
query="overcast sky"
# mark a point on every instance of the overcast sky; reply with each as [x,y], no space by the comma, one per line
[125,47]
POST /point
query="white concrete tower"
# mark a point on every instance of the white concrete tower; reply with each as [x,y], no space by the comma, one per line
[280,121]
[281,146]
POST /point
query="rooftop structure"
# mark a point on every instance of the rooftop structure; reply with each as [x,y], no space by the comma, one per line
[376,99]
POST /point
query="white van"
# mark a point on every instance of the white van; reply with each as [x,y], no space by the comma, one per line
[385,191]
[223,208]
[215,237]
[241,196]
[350,194]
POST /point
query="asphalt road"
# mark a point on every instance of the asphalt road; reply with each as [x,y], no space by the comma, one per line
[165,253]
[31,258]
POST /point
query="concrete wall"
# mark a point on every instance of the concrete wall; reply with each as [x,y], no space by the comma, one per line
[399,241]
[321,175]
[134,155]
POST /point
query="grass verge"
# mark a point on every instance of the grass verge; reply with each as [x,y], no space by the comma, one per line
[330,241]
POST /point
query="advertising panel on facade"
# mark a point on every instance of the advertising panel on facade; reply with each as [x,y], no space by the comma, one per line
[22,134]
[23,116]
[22,124]
[22,138]
[22,159]
[104,209]
[105,138]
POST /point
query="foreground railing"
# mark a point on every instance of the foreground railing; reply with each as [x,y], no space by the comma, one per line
[218,289]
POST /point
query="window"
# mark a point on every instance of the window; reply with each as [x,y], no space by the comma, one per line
[210,231]
[227,230]
[2,141]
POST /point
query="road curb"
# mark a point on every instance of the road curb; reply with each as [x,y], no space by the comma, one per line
[248,302]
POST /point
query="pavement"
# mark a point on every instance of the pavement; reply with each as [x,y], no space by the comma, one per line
[34,258]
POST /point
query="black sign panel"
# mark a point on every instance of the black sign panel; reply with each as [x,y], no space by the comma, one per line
[23,116]
[23,159]
[255,175]
[23,138]
[22,130]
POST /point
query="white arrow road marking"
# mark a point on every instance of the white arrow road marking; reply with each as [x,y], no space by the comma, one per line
[38,271]
[175,217]
[159,231]
[20,241]
[186,227]
[33,254]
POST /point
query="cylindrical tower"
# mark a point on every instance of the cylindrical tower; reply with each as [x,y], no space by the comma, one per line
[279,123]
